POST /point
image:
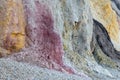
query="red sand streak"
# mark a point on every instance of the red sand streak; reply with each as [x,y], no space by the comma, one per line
[47,49]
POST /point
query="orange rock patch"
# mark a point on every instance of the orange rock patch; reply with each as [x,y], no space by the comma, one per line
[12,25]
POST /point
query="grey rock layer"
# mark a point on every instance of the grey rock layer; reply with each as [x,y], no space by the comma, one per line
[116,6]
[104,41]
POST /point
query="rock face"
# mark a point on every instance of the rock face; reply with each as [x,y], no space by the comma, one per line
[78,38]
[108,18]
[12,25]
[103,40]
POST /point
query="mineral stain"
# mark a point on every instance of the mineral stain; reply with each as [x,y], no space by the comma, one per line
[46,50]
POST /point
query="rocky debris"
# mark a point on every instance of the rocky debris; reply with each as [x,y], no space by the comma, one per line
[12,70]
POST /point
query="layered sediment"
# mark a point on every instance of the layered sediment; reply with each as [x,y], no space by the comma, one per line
[76,38]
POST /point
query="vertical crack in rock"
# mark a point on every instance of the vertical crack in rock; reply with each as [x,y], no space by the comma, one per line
[104,41]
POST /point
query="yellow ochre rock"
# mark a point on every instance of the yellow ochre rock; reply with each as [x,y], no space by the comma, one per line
[12,25]
[102,11]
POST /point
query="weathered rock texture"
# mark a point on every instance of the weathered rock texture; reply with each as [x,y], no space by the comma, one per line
[78,38]
[12,25]
[20,71]
[104,41]
[102,11]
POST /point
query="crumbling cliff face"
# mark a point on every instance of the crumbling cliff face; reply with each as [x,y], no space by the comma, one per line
[60,39]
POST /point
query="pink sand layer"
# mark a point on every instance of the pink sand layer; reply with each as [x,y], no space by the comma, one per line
[46,50]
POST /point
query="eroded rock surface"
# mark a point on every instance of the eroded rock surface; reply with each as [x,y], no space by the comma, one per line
[78,38]
[102,11]
[12,25]
[104,41]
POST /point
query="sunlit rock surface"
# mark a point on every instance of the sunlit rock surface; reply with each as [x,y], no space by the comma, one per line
[102,11]
[12,25]
[76,38]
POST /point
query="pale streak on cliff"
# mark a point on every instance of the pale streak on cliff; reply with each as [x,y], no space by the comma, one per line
[102,11]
